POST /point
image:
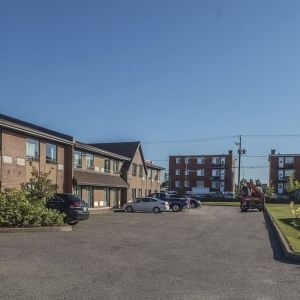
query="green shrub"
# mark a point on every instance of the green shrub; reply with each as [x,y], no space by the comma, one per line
[16,210]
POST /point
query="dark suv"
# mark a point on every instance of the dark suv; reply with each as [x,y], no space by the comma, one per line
[175,203]
[75,209]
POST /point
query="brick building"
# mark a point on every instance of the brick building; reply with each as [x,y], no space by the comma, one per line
[202,172]
[142,177]
[281,167]
[97,177]
[102,177]
[24,146]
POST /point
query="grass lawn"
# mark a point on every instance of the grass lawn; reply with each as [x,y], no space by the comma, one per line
[221,203]
[283,217]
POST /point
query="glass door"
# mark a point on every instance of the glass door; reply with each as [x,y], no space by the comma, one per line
[89,196]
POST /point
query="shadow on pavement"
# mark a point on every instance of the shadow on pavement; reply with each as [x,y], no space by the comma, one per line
[278,254]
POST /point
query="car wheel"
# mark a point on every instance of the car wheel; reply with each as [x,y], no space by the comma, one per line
[176,207]
[193,205]
[156,210]
[129,209]
[72,223]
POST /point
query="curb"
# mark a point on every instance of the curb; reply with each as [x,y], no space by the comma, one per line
[35,229]
[286,248]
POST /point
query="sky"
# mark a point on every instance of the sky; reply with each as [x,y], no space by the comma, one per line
[169,73]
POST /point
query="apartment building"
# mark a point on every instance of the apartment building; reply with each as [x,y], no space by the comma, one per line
[281,167]
[24,146]
[136,172]
[206,173]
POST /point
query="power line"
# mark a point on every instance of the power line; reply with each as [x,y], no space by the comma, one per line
[195,140]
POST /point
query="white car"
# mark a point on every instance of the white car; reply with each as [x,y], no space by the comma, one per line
[147,204]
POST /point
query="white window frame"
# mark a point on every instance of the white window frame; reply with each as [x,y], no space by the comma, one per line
[200,184]
[186,183]
[177,184]
[178,160]
[200,160]
[177,172]
[200,172]
[289,160]
[215,172]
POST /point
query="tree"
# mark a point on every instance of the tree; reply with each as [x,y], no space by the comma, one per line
[293,184]
[270,191]
[258,182]
[40,186]
[165,183]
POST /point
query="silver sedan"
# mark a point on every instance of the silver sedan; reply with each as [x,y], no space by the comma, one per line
[147,204]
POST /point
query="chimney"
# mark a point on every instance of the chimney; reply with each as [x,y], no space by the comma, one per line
[230,152]
[273,152]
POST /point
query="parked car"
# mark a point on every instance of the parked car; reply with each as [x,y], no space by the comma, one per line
[75,209]
[229,195]
[194,203]
[175,203]
[147,204]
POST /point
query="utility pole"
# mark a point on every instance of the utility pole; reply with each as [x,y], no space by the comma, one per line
[239,170]
[240,152]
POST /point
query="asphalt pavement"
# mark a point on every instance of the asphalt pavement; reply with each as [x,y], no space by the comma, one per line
[207,253]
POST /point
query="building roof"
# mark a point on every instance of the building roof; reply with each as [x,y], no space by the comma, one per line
[281,154]
[22,126]
[127,149]
[93,149]
[87,177]
[151,165]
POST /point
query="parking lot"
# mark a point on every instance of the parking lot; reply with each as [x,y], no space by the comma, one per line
[207,253]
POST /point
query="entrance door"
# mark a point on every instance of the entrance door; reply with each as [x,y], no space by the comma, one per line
[89,196]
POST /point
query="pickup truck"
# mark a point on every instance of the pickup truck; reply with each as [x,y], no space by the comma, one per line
[175,203]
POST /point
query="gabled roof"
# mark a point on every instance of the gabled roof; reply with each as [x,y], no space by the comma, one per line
[97,150]
[127,149]
[22,126]
[151,165]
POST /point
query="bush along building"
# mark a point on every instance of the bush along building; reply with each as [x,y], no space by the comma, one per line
[99,176]
[283,166]
[202,173]
[142,177]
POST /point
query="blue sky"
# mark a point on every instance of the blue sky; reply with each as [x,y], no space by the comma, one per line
[156,70]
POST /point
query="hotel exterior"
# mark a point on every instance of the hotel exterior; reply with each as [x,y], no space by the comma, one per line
[101,177]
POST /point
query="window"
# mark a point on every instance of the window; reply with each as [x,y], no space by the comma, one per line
[51,153]
[186,172]
[200,184]
[134,169]
[200,172]
[288,173]
[133,191]
[116,167]
[156,175]
[200,160]
[289,160]
[140,171]
[107,165]
[140,193]
[215,185]
[186,183]
[89,161]
[77,159]
[187,160]
[177,172]
[32,149]
[215,173]
[178,160]
[149,192]
[150,174]
[106,198]
[177,184]
[216,160]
